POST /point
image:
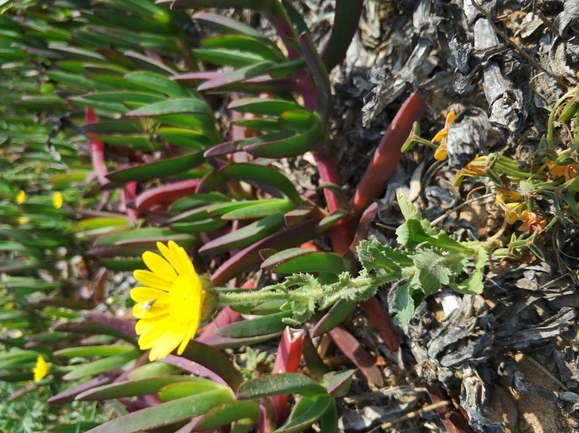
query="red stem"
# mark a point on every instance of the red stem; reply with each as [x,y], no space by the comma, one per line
[97,150]
[287,360]
[387,154]
[381,321]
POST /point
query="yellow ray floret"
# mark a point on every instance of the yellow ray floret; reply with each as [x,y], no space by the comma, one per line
[169,302]
[57,200]
[41,369]
[20,197]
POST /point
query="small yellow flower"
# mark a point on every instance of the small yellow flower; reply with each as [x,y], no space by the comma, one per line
[569,171]
[20,197]
[503,195]
[478,165]
[512,211]
[441,152]
[531,222]
[41,369]
[23,220]
[57,200]
[170,303]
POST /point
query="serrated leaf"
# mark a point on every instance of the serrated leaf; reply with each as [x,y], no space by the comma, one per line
[434,270]
[375,255]
[411,234]
[403,304]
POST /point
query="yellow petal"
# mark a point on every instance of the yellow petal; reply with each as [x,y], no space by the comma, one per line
[20,197]
[450,117]
[147,311]
[152,280]
[441,153]
[57,200]
[439,135]
[165,346]
[159,266]
[184,260]
[187,338]
[41,369]
[144,294]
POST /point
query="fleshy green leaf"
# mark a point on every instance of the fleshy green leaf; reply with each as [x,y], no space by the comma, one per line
[315,410]
[102,365]
[278,384]
[250,328]
[152,385]
[166,413]
[165,167]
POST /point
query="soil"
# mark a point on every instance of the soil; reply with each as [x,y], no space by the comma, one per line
[505,361]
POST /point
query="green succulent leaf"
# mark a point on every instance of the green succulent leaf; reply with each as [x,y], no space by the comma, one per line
[315,409]
[102,365]
[166,414]
[133,388]
[165,167]
[278,384]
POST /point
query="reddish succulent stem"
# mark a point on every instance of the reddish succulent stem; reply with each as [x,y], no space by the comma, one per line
[97,150]
[287,360]
[387,154]
[381,321]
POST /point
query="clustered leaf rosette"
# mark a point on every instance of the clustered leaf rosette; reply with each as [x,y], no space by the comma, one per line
[172,302]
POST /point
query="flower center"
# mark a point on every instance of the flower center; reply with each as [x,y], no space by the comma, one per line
[183,300]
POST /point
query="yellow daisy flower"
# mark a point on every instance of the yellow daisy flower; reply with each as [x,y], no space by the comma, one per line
[41,369]
[57,200]
[20,197]
[170,303]
[23,220]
